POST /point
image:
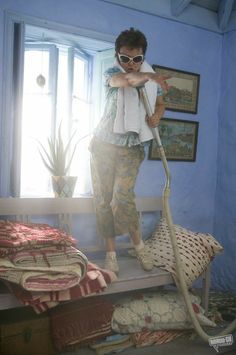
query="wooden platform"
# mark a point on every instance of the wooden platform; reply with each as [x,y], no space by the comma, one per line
[131,276]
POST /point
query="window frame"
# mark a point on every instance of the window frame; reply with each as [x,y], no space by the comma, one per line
[74,52]
[53,67]
[9,145]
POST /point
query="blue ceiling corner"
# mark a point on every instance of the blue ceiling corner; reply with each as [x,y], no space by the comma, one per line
[178,6]
[213,15]
[224,11]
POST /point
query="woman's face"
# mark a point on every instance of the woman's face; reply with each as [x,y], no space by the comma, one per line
[134,64]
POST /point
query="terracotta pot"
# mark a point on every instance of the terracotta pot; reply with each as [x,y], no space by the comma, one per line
[63,186]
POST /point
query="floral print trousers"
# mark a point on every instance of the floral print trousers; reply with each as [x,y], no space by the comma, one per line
[114,171]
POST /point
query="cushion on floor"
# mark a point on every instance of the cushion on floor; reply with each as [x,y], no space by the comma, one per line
[155,311]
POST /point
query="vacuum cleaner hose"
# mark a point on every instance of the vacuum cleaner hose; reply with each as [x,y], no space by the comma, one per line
[181,284]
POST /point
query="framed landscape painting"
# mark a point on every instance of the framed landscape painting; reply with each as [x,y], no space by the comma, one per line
[179,140]
[183,89]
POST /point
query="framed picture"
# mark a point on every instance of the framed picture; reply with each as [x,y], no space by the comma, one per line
[183,89]
[179,140]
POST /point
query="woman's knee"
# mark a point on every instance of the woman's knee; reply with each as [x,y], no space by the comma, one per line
[123,204]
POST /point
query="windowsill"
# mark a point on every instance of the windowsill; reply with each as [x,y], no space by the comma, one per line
[53,197]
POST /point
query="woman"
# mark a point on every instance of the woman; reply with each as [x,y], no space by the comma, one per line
[117,148]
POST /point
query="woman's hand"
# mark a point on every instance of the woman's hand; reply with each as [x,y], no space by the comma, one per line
[160,79]
[153,121]
[136,79]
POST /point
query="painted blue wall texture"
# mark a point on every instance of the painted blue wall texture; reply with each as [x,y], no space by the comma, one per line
[203,192]
[225,202]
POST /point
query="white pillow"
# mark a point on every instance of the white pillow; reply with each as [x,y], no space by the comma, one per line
[196,250]
[156,311]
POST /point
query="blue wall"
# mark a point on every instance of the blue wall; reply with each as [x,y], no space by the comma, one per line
[225,203]
[194,193]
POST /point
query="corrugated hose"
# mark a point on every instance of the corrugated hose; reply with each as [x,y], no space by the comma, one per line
[181,284]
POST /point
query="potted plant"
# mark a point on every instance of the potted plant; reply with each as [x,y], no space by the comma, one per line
[57,158]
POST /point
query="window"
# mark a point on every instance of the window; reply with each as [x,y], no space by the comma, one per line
[55,90]
[37,116]
[62,83]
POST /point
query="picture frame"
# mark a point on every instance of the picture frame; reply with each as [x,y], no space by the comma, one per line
[183,89]
[179,140]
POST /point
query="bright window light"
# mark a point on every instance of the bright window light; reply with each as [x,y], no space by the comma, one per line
[40,118]
[62,84]
[36,120]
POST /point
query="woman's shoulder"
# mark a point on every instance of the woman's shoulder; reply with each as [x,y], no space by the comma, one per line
[112,70]
[108,74]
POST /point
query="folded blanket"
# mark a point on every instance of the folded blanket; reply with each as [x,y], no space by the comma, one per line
[44,279]
[96,280]
[15,235]
[157,337]
[131,114]
[45,256]
[81,322]
[114,343]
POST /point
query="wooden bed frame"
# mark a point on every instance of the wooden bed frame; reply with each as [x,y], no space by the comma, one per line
[131,276]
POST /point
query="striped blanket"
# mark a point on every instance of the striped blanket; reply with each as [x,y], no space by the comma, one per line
[96,280]
[44,269]
[45,257]
[39,257]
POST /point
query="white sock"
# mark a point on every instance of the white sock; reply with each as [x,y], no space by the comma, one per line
[139,246]
[111,254]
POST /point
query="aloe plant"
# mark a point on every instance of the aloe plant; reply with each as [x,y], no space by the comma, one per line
[57,157]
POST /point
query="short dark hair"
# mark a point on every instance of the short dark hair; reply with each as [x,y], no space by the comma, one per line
[131,38]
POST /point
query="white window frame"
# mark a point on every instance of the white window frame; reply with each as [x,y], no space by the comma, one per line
[53,64]
[7,116]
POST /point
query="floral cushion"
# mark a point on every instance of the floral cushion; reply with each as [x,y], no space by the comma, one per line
[155,311]
[196,250]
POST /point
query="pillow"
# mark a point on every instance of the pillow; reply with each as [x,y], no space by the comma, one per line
[156,311]
[196,250]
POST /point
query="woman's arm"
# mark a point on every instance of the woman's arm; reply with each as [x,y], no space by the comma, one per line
[135,79]
[154,120]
